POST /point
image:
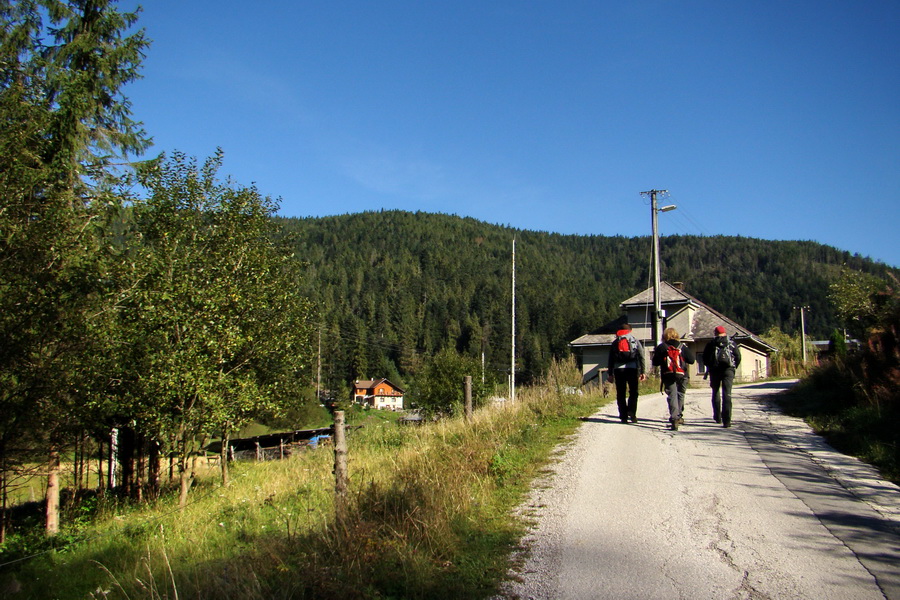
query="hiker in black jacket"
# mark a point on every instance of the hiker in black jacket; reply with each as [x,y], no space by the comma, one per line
[721,357]
[672,358]
[625,369]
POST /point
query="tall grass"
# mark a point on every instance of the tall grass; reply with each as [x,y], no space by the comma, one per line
[429,515]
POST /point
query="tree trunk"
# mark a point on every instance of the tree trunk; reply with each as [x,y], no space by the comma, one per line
[52,517]
[112,461]
[153,469]
[185,480]
[4,513]
[140,469]
[101,482]
[223,456]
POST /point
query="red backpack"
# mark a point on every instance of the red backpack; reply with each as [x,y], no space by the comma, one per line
[674,360]
[626,346]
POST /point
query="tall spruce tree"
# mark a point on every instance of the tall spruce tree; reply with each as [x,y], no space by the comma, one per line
[62,68]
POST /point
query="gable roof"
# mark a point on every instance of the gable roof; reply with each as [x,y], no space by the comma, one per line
[668,294]
[603,335]
[369,384]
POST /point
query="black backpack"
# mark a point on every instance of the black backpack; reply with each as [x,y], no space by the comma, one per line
[725,356]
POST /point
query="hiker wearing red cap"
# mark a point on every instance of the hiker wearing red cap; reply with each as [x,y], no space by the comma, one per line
[721,357]
[626,367]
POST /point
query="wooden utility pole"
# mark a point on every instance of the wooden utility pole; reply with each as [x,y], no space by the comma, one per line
[340,465]
[467,392]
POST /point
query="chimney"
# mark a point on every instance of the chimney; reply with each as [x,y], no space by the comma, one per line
[678,285]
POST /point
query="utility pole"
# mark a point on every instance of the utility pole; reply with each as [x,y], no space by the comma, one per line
[802,329]
[657,309]
[512,367]
[319,369]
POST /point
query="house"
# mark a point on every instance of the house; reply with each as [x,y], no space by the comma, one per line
[693,319]
[378,393]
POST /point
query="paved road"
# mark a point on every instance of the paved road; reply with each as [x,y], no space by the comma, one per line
[763,510]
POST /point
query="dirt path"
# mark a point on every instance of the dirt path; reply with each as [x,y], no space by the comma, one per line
[763,510]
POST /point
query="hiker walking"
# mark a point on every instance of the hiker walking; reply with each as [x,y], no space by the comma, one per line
[672,357]
[626,368]
[721,357]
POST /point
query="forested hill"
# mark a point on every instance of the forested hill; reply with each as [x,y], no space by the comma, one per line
[395,286]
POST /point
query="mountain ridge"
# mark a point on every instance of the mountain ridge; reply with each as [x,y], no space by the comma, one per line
[393,286]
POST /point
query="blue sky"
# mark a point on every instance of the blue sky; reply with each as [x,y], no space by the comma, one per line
[768,119]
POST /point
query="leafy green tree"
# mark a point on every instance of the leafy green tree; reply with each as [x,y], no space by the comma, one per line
[438,386]
[62,68]
[859,300]
[223,332]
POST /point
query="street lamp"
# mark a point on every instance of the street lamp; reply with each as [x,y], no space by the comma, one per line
[657,310]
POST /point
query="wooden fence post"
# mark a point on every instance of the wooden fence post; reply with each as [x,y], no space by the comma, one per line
[340,465]
[467,388]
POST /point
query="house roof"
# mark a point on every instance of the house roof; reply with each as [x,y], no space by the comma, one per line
[603,335]
[369,384]
[668,294]
[705,320]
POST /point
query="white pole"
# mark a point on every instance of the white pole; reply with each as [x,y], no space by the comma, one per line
[657,309]
[803,332]
[657,334]
[512,367]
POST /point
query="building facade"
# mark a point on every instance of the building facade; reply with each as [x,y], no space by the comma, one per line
[378,393]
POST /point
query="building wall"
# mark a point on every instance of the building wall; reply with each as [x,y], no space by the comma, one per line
[388,402]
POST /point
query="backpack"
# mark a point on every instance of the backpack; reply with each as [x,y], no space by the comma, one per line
[674,360]
[626,346]
[725,356]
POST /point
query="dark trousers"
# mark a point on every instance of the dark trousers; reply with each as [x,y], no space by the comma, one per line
[675,388]
[721,402]
[626,387]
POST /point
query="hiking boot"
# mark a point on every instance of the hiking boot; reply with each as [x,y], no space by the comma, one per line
[717,419]
[673,425]
[623,419]
[726,424]
[633,418]
[681,420]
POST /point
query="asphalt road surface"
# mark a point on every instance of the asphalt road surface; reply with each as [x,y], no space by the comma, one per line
[762,510]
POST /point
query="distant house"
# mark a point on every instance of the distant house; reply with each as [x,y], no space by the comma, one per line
[694,321]
[378,393]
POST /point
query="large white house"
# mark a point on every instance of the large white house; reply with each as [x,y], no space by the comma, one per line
[694,321]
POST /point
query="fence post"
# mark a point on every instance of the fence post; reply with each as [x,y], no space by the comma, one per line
[340,465]
[467,387]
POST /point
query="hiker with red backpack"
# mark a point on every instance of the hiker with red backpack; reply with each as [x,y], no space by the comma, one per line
[672,357]
[721,358]
[626,367]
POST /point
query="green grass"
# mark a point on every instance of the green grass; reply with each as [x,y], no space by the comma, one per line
[429,515]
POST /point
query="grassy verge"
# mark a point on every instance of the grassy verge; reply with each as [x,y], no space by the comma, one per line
[831,402]
[430,516]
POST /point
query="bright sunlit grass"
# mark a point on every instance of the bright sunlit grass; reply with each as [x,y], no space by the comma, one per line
[429,516]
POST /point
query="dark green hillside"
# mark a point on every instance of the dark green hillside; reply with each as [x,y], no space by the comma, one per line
[395,286]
